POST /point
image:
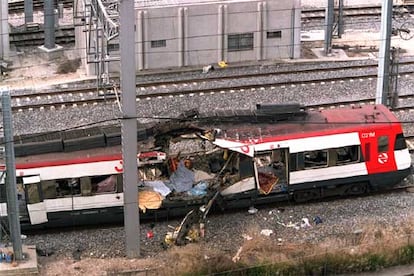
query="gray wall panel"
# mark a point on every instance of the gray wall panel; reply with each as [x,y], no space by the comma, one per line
[196,33]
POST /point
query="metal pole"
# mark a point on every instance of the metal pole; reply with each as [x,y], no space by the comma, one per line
[341,18]
[11,187]
[28,11]
[129,127]
[60,10]
[329,19]
[394,71]
[49,19]
[4,31]
[384,53]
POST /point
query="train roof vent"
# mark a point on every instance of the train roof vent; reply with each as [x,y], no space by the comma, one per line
[280,111]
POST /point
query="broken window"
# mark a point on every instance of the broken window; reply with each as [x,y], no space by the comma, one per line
[48,189]
[33,193]
[315,159]
[271,169]
[103,184]
[67,187]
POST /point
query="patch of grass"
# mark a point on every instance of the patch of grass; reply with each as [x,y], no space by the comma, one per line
[406,254]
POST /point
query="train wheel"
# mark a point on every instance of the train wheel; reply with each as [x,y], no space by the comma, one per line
[356,189]
[306,195]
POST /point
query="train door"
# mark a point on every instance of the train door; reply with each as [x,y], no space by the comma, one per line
[271,170]
[20,197]
[378,155]
[21,200]
[34,199]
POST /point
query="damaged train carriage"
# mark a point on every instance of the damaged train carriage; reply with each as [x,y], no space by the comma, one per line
[256,158]
[346,151]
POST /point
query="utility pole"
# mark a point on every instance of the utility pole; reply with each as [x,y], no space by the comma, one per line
[394,71]
[4,31]
[11,187]
[384,53]
[340,18]
[129,126]
[329,20]
[49,23]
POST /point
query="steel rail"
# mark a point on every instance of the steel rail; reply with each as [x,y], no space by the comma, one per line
[89,95]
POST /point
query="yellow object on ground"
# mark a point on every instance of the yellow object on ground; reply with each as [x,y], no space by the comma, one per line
[149,200]
[222,64]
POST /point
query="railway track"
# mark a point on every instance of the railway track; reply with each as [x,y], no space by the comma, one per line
[89,96]
[365,11]
[198,86]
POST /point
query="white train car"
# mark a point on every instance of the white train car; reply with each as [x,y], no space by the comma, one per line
[255,159]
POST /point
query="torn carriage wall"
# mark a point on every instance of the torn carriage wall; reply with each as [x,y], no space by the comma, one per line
[190,121]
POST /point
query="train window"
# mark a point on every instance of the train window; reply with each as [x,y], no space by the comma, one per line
[382,143]
[3,193]
[48,189]
[33,193]
[245,166]
[103,184]
[300,161]
[292,162]
[86,186]
[119,183]
[315,159]
[158,43]
[68,187]
[344,155]
[240,42]
[400,142]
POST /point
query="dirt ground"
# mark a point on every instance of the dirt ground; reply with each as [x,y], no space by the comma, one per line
[93,266]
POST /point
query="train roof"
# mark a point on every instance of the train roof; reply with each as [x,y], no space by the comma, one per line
[276,121]
[314,123]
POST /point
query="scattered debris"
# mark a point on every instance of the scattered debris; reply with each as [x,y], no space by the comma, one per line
[279,241]
[247,237]
[292,225]
[305,223]
[150,234]
[266,232]
[222,64]
[208,68]
[252,210]
[236,257]
[317,220]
